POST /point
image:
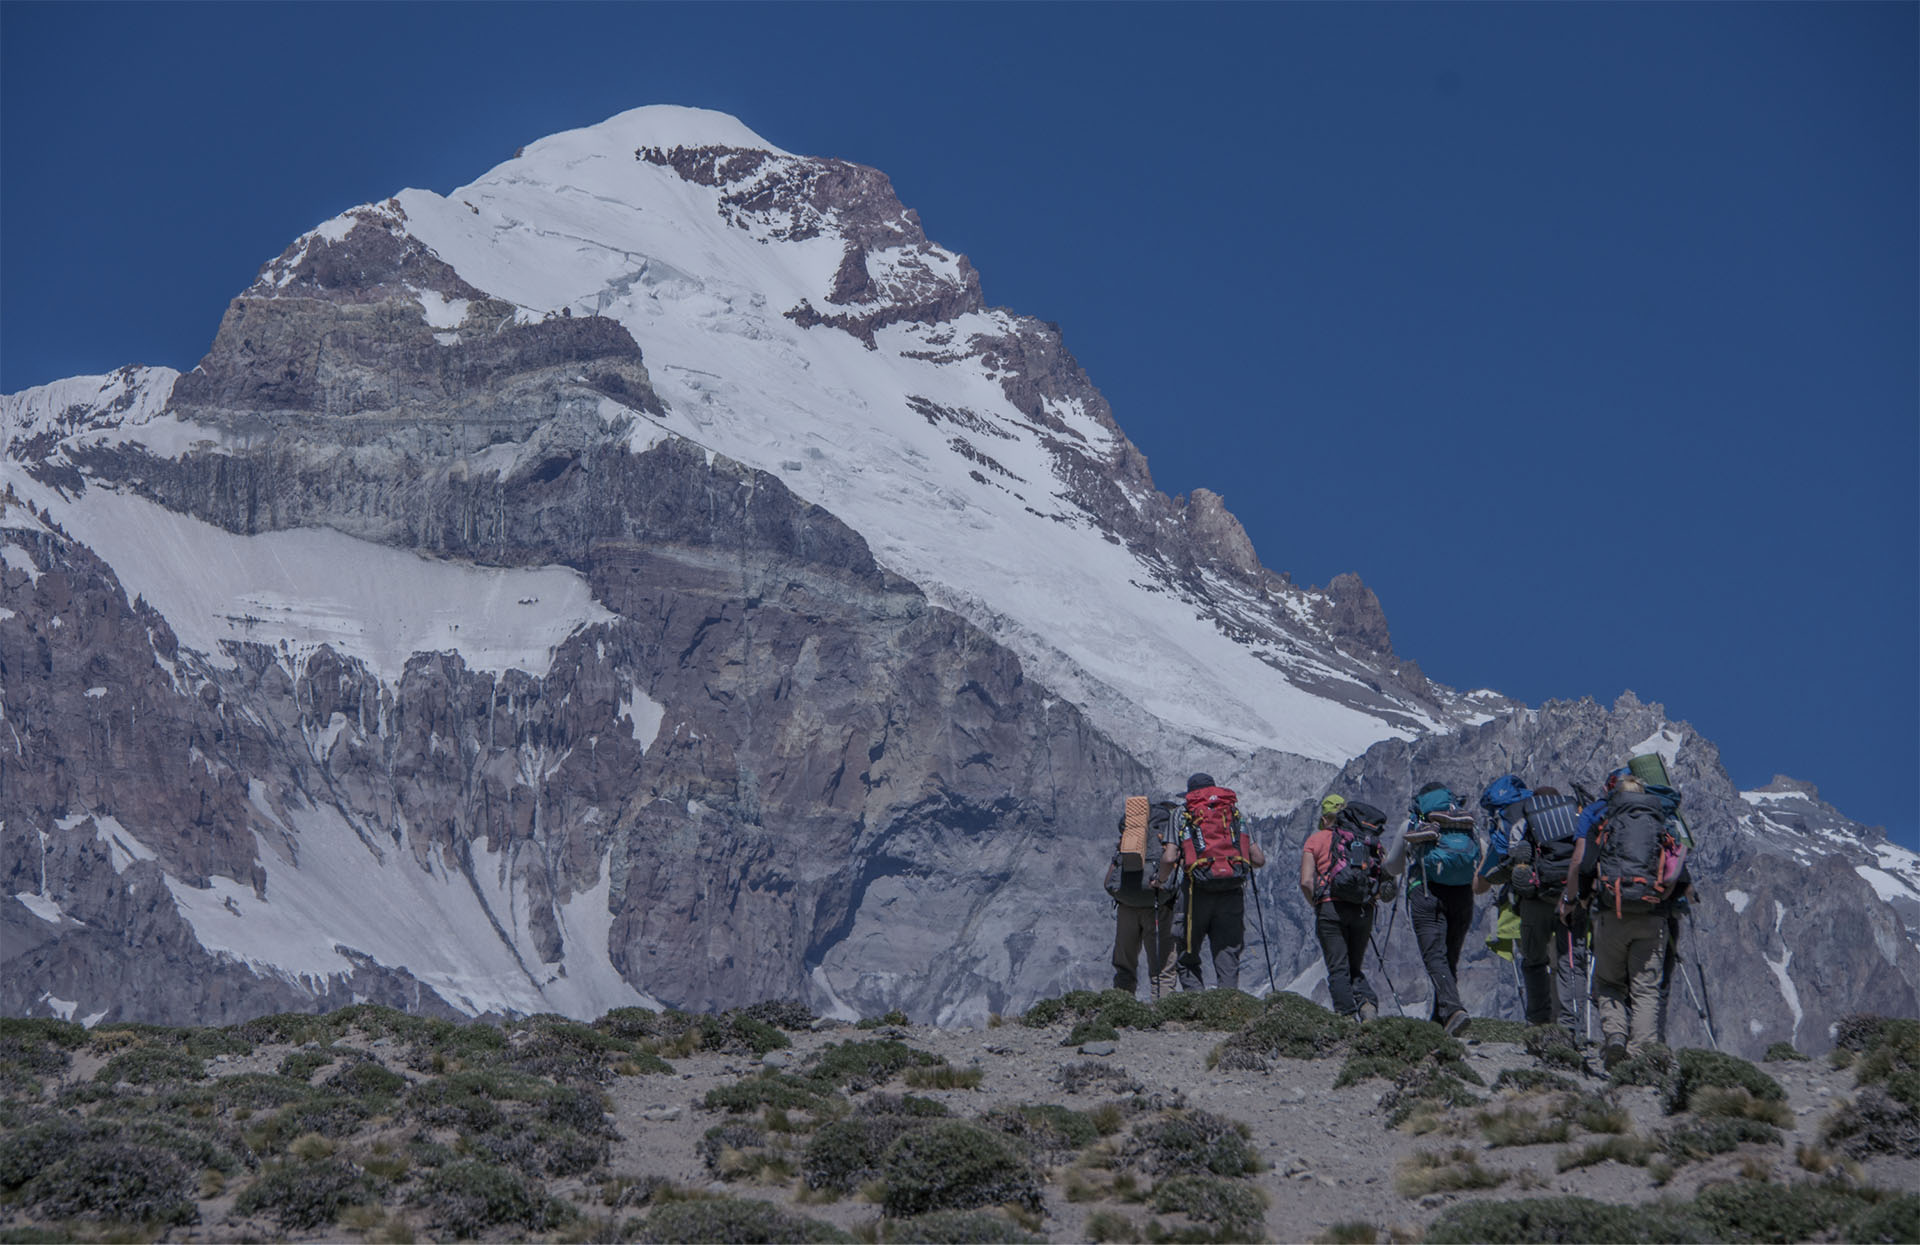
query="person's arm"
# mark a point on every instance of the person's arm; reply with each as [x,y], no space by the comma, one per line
[1256,857]
[1169,857]
[1565,906]
[1307,875]
[1492,861]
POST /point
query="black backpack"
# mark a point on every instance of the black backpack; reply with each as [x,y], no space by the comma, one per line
[1639,859]
[1129,886]
[1355,877]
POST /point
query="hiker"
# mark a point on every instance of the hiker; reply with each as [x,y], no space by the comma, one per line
[1502,801]
[1545,831]
[1637,864]
[1144,910]
[1341,880]
[1437,853]
[1215,857]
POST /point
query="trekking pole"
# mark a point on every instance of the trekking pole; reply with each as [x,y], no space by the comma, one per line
[1701,1002]
[1391,988]
[1266,942]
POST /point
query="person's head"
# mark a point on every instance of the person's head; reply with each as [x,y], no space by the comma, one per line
[1614,777]
[1197,781]
[1330,808]
[1546,791]
[1630,784]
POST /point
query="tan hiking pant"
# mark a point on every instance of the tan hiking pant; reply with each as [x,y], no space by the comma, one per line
[1627,957]
[1151,928]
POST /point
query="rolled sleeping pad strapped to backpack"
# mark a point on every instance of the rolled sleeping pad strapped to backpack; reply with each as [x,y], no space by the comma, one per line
[1650,768]
[1133,834]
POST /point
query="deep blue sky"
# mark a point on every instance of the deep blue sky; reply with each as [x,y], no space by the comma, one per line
[1585,333]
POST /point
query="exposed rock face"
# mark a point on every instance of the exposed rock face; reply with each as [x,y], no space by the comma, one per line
[470,676]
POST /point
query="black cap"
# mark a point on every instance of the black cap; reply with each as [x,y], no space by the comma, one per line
[1197,781]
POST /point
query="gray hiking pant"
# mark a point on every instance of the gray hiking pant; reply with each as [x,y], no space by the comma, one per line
[1570,974]
[1149,929]
[1219,919]
[1628,954]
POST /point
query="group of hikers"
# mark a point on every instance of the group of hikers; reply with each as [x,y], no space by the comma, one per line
[1591,889]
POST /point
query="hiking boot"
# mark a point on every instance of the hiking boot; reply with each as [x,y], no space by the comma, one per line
[1612,1055]
[1367,1012]
[1457,1023]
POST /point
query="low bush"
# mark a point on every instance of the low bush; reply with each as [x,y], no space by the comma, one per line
[855,1066]
[151,1065]
[944,1076]
[779,1090]
[903,1104]
[1560,1219]
[1895,1220]
[1710,1069]
[1739,1104]
[1551,1045]
[1436,1171]
[1290,1028]
[781,1014]
[300,1065]
[1515,1125]
[1531,1080]
[1783,1052]
[843,1155]
[1486,1029]
[955,1166]
[1873,1123]
[957,1227]
[1092,1076]
[1750,1210]
[1051,1134]
[1223,1011]
[729,1220]
[467,1198]
[1655,1068]
[1710,1137]
[1095,1030]
[111,1181]
[1626,1148]
[1192,1141]
[301,1197]
[1425,1091]
[1232,1209]
[365,1078]
[1111,1226]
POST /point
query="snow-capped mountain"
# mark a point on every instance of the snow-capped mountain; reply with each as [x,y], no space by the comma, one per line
[650,572]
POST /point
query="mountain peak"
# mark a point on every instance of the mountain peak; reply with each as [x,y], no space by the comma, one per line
[654,125]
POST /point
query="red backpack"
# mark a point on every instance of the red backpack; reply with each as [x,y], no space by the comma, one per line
[1211,844]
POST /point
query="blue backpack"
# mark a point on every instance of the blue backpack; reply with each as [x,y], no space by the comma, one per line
[1450,859]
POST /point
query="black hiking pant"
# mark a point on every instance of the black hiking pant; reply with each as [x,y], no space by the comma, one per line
[1343,929]
[1538,924]
[1218,918]
[1442,915]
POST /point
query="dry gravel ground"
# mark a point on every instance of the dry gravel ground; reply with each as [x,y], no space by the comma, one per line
[1329,1156]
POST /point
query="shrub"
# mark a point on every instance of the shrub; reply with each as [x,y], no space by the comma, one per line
[958,1227]
[301,1197]
[1757,1211]
[1514,1125]
[1193,1141]
[1739,1104]
[1783,1052]
[1221,1010]
[1235,1210]
[1560,1219]
[63,1034]
[862,1065]
[1050,1134]
[106,1180]
[1107,1225]
[365,1078]
[944,1075]
[1290,1028]
[1431,1171]
[771,1089]
[1551,1045]
[781,1014]
[1486,1029]
[149,1065]
[1629,1149]
[733,1221]
[255,1091]
[1655,1067]
[1894,1220]
[1873,1123]
[467,1198]
[1095,1030]
[1529,1080]
[1425,1090]
[1702,1069]
[1711,1137]
[1091,1075]
[904,1104]
[955,1166]
[1352,1232]
[846,1154]
[301,1064]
